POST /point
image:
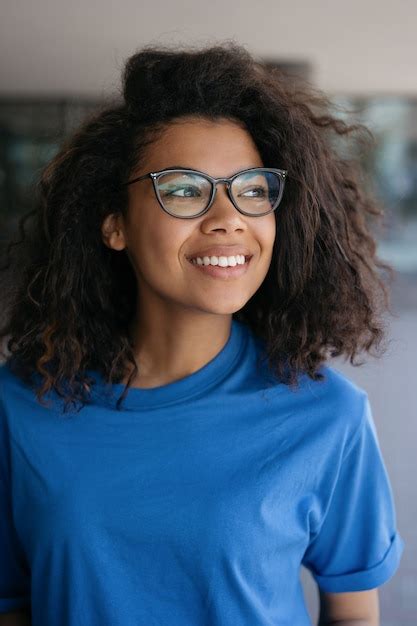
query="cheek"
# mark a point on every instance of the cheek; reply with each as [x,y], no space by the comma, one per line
[267,233]
[272,226]
[161,245]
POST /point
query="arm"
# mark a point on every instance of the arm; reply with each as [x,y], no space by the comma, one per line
[359,608]
[16,618]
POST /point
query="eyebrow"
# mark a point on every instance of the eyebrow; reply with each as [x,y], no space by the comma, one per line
[187,167]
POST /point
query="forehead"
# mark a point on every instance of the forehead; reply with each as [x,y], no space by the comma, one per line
[218,147]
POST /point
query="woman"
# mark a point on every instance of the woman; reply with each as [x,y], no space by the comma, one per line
[198,253]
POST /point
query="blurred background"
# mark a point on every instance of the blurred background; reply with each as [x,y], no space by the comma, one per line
[59,60]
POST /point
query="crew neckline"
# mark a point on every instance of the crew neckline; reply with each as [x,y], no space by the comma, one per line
[177,391]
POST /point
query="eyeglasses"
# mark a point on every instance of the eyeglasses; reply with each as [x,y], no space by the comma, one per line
[188,193]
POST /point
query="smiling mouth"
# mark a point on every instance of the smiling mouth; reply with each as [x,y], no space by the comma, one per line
[218,271]
[246,257]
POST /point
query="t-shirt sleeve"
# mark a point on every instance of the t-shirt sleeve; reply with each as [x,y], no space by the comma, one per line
[357,546]
[14,575]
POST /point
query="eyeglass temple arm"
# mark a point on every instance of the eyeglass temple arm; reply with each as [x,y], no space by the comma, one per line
[135,180]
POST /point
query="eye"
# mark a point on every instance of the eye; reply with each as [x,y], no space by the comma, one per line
[189,192]
[259,192]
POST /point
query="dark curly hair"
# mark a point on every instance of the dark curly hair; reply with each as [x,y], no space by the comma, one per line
[69,298]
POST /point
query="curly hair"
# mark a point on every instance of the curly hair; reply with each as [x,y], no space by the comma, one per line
[69,298]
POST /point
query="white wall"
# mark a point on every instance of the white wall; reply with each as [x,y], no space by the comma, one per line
[78,46]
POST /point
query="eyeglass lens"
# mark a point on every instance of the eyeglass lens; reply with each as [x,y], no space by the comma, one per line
[187,193]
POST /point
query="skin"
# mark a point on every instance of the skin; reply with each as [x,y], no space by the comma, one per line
[184,317]
[356,608]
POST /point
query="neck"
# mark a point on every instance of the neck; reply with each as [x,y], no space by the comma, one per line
[166,352]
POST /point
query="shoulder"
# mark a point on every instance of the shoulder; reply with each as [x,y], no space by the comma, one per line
[338,406]
[328,413]
[5,411]
[334,387]
[9,383]
[6,374]
[334,402]
[15,394]
[5,377]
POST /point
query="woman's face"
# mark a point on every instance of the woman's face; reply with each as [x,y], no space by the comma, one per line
[159,245]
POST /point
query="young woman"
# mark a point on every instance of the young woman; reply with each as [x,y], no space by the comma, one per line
[174,443]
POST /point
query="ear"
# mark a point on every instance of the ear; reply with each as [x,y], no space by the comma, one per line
[112,232]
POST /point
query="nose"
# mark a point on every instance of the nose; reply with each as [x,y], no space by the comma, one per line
[221,192]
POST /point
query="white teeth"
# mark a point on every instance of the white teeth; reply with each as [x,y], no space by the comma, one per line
[222,261]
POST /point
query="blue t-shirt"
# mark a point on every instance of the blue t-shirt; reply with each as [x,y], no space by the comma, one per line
[197,503]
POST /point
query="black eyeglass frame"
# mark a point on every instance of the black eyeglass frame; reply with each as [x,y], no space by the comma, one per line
[155,175]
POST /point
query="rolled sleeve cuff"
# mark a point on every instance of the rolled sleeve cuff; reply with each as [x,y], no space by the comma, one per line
[366,579]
